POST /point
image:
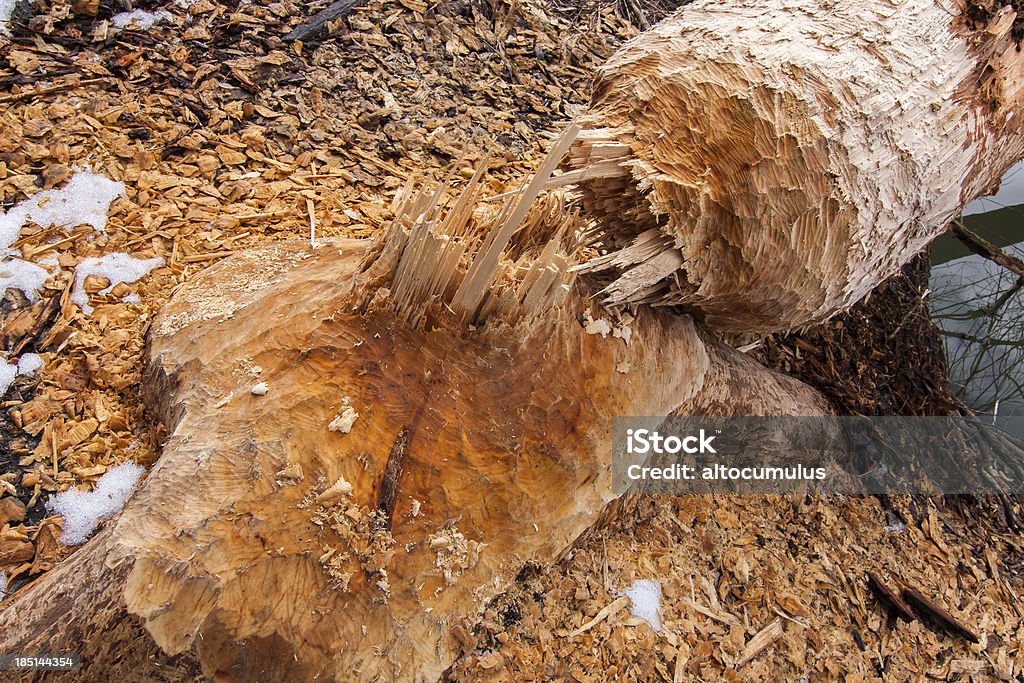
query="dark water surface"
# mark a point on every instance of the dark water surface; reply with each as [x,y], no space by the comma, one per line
[979,306]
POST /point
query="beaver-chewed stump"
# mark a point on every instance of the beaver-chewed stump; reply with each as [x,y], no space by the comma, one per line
[363,449]
[391,479]
[368,440]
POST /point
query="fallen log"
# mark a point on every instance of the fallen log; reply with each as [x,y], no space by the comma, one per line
[765,164]
[367,441]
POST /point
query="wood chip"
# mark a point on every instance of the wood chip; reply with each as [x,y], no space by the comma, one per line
[762,639]
[605,612]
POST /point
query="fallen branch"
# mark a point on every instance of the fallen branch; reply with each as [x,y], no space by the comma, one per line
[50,90]
[939,614]
[889,597]
[982,247]
[312,29]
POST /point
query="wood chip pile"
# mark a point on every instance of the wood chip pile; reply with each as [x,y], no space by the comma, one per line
[225,136]
[882,357]
[765,589]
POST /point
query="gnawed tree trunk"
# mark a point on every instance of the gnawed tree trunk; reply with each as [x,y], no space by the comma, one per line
[471,454]
[767,163]
[267,545]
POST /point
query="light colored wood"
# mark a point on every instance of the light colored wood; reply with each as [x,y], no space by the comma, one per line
[761,640]
[785,157]
[232,560]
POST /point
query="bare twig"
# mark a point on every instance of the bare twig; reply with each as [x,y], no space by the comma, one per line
[983,247]
[39,92]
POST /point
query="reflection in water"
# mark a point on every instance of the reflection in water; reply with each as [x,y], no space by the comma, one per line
[978,304]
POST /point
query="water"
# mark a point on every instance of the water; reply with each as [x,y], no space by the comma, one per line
[978,305]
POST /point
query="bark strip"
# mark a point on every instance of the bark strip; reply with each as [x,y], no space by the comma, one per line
[392,474]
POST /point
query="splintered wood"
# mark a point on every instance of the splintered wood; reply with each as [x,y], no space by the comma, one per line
[227,137]
[352,543]
[512,260]
[474,421]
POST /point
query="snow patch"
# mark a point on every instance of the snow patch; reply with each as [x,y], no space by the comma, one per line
[6,10]
[18,274]
[84,510]
[646,597]
[139,19]
[84,200]
[29,364]
[3,585]
[7,374]
[117,267]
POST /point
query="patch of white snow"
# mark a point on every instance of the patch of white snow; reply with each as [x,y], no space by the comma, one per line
[115,267]
[84,510]
[18,274]
[29,364]
[646,597]
[139,19]
[6,10]
[84,200]
[8,372]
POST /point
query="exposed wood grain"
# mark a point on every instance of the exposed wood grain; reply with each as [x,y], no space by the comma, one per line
[715,215]
[392,474]
[761,640]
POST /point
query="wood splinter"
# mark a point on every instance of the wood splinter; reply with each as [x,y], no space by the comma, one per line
[889,597]
[938,613]
[907,598]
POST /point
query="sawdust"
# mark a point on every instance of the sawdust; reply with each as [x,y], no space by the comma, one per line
[354,539]
[455,553]
[757,588]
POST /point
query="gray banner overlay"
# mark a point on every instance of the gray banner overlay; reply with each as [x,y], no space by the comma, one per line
[826,455]
[39,662]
